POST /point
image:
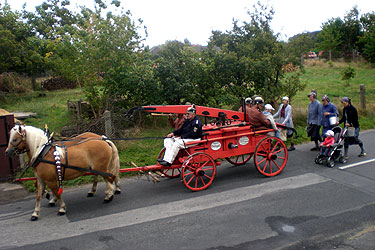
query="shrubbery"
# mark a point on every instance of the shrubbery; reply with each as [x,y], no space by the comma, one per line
[14,83]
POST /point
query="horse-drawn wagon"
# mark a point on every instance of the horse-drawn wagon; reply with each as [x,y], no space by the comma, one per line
[229,137]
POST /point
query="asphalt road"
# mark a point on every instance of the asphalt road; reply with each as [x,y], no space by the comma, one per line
[307,206]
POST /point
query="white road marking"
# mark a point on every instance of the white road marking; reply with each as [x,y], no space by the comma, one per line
[22,232]
[356,164]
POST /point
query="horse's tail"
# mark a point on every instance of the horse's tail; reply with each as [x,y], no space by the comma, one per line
[115,161]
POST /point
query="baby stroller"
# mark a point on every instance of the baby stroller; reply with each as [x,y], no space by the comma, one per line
[335,151]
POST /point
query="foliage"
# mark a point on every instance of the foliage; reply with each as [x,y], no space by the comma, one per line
[249,58]
[330,38]
[347,74]
[367,41]
[298,46]
[19,48]
[14,83]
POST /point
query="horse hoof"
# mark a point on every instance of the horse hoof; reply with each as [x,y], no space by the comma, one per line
[60,213]
[51,204]
[118,192]
[90,195]
[33,218]
[108,200]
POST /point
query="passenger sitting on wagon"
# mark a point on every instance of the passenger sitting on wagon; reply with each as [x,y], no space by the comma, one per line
[190,131]
[248,102]
[256,117]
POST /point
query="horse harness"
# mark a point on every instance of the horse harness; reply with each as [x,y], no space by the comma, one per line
[60,174]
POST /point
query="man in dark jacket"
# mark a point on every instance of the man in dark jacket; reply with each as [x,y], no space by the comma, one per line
[190,131]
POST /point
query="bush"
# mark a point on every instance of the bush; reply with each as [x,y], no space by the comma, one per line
[13,83]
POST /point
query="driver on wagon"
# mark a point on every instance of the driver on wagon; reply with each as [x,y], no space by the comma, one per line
[190,131]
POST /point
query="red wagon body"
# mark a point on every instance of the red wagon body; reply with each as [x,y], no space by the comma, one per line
[236,141]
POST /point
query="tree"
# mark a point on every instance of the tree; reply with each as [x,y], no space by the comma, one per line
[248,59]
[351,32]
[299,46]
[14,41]
[331,36]
[347,74]
[111,62]
[367,40]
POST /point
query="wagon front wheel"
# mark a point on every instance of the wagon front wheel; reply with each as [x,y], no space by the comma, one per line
[169,172]
[270,156]
[198,171]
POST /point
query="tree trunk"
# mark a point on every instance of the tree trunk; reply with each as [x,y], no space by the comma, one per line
[330,55]
[33,82]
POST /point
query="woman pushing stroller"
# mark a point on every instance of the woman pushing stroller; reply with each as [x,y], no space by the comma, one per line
[350,120]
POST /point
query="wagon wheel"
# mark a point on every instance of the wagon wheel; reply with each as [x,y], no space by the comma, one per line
[198,171]
[239,159]
[270,156]
[172,172]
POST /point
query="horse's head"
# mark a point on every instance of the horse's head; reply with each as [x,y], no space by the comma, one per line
[17,141]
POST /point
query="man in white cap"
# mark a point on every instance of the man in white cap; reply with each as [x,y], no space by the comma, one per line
[190,131]
[256,117]
[248,103]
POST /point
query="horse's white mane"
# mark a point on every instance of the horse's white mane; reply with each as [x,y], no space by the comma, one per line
[35,139]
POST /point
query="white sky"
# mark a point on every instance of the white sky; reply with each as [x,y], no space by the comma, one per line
[195,19]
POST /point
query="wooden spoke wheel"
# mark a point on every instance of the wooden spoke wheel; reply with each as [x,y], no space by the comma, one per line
[198,171]
[169,172]
[239,159]
[270,156]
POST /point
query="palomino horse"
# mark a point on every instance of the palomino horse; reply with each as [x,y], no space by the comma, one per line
[81,138]
[88,151]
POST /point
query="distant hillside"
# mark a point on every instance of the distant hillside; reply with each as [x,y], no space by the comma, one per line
[197,47]
[313,35]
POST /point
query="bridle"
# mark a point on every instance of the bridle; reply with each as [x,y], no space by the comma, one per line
[23,140]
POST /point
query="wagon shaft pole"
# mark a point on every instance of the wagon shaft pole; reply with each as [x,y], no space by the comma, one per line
[201,110]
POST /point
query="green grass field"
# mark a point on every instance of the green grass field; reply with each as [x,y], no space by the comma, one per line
[323,77]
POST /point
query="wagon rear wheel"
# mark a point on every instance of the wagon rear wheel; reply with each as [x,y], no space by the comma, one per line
[270,156]
[198,171]
[239,159]
[172,172]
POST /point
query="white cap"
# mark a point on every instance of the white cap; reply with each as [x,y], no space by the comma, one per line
[330,132]
[269,106]
[259,100]
[286,98]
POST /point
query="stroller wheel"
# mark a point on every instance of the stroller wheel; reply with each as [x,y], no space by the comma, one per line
[330,163]
[319,159]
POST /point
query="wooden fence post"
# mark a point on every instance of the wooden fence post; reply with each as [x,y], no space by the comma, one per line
[363,96]
[108,123]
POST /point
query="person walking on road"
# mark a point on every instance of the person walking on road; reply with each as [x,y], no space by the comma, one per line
[350,120]
[329,111]
[314,117]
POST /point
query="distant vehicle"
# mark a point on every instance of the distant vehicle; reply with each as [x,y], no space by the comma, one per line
[312,54]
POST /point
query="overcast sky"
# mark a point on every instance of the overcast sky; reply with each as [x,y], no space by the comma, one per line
[195,19]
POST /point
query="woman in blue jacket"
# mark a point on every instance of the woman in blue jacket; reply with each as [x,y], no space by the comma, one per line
[328,110]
